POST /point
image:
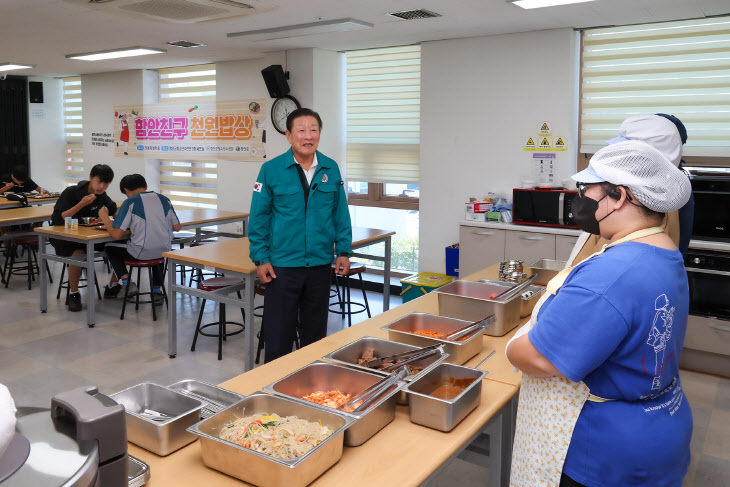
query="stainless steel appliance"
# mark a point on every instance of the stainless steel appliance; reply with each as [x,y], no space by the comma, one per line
[544,207]
[708,273]
[711,190]
[81,441]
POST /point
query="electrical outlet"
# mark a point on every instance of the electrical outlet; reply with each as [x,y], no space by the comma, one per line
[239,228]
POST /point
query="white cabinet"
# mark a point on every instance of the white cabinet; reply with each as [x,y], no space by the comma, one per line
[563,246]
[479,248]
[529,246]
[708,335]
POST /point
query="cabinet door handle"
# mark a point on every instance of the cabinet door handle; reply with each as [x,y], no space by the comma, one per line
[572,242]
[718,327]
[489,234]
[532,238]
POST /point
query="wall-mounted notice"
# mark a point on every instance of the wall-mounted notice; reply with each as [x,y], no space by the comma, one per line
[542,140]
[99,139]
[232,130]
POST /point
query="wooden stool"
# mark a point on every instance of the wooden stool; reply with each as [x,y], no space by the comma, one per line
[213,285]
[30,268]
[345,303]
[139,264]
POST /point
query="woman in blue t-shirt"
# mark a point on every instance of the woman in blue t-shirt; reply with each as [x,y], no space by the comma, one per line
[601,402]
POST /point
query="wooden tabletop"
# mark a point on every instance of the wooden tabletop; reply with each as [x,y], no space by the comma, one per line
[204,215]
[83,233]
[6,202]
[231,255]
[420,450]
[12,215]
[362,235]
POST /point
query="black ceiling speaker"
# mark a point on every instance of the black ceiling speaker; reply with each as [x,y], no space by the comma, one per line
[275,80]
[35,90]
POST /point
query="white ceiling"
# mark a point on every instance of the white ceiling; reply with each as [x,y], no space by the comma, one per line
[42,32]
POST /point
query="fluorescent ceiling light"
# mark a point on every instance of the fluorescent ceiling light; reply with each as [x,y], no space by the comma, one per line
[10,66]
[545,3]
[326,26]
[115,53]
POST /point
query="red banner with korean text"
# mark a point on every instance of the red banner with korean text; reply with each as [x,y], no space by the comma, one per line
[232,130]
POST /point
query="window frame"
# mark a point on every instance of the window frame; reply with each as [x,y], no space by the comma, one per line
[376,197]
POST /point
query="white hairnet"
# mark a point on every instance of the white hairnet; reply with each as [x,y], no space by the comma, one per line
[651,177]
[657,131]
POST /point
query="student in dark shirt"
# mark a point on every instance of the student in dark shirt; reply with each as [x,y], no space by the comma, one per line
[18,181]
[84,199]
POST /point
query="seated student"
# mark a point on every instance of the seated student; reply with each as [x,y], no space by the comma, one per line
[18,181]
[151,219]
[84,199]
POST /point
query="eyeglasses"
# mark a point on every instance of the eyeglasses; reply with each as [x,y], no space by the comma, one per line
[582,188]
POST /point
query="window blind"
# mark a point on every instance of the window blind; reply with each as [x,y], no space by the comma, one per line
[680,68]
[384,114]
[188,183]
[73,131]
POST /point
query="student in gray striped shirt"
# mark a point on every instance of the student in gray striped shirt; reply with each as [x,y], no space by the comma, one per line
[151,219]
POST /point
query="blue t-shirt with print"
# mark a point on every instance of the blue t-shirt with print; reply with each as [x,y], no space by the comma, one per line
[618,324]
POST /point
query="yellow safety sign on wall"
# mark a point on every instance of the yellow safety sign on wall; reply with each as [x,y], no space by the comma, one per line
[560,143]
[545,143]
[544,128]
[530,143]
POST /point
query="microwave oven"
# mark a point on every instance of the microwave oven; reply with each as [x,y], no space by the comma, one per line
[544,207]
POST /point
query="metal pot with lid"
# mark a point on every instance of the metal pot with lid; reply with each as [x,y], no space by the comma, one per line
[81,441]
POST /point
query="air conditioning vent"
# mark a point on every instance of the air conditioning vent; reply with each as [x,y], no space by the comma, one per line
[414,14]
[185,44]
[179,11]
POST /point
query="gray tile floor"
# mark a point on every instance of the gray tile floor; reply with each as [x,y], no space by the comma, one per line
[42,354]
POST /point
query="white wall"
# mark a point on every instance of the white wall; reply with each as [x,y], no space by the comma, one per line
[46,139]
[479,98]
[101,92]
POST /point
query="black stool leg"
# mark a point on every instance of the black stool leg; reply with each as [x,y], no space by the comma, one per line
[349,301]
[152,295]
[261,342]
[243,311]
[60,283]
[13,250]
[139,283]
[126,294]
[164,293]
[221,329]
[364,296]
[31,274]
[197,328]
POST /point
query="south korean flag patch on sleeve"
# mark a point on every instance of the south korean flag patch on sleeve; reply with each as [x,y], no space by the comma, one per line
[257,186]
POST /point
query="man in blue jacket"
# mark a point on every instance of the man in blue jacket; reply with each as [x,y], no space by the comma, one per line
[299,219]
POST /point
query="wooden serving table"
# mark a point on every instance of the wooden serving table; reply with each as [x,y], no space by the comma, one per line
[229,257]
[6,203]
[402,453]
[364,237]
[90,236]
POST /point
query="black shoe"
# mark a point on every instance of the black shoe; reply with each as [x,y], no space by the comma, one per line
[74,302]
[112,292]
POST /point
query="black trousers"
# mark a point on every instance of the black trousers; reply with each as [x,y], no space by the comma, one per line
[299,296]
[117,254]
[566,481]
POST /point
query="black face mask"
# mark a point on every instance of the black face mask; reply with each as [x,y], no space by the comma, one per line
[583,211]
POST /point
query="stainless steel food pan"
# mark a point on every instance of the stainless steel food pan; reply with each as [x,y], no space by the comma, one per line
[527,305]
[160,437]
[215,398]
[472,301]
[547,269]
[323,376]
[262,469]
[350,353]
[138,472]
[443,414]
[401,330]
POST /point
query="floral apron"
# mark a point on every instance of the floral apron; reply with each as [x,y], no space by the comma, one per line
[549,408]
